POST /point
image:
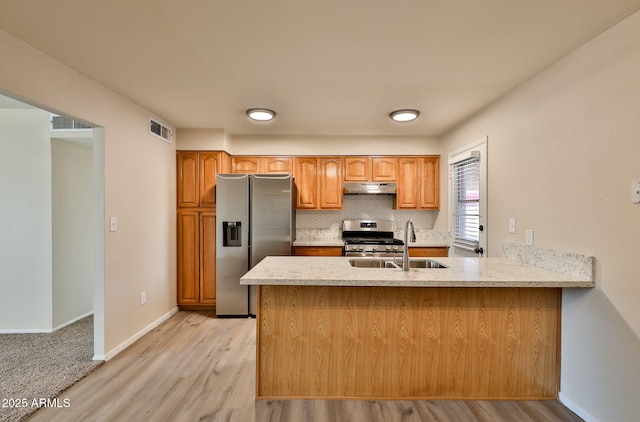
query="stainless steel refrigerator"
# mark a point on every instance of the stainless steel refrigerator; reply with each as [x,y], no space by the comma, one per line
[255,218]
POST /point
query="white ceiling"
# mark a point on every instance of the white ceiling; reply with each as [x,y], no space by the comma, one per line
[325,66]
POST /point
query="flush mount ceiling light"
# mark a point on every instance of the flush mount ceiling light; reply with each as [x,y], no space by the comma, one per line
[405,115]
[261,114]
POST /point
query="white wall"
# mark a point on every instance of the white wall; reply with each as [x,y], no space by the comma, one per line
[25,216]
[194,139]
[139,189]
[563,150]
[334,145]
[217,139]
[72,219]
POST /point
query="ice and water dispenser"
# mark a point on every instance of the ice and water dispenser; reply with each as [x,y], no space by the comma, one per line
[232,233]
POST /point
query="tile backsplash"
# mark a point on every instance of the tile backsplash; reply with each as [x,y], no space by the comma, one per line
[327,224]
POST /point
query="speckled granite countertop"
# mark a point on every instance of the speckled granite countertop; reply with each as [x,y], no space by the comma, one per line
[339,242]
[461,272]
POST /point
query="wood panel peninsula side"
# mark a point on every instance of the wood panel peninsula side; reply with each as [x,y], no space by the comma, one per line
[479,329]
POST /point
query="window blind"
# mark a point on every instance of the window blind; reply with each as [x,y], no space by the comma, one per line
[466,203]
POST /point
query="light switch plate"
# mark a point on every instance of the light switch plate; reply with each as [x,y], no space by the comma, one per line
[113,225]
[512,225]
[529,237]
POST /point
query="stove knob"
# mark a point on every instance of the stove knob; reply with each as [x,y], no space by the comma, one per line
[388,247]
[395,247]
[374,248]
[360,248]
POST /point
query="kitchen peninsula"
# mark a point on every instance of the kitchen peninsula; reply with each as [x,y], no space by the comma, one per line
[480,328]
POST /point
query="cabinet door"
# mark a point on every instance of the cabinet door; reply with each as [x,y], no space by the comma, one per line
[276,165]
[209,163]
[407,193]
[430,183]
[383,169]
[317,251]
[357,169]
[247,165]
[188,258]
[330,182]
[306,182]
[207,258]
[188,187]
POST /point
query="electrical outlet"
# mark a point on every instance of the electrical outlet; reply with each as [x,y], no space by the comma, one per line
[529,236]
[512,225]
[635,192]
[113,224]
[143,298]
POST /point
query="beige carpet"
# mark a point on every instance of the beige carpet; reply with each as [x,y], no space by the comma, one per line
[36,367]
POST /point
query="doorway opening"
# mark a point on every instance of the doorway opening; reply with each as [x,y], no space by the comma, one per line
[52,209]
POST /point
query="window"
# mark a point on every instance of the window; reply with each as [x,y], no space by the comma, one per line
[468,199]
[466,202]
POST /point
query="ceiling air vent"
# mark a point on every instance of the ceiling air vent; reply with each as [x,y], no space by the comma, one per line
[159,130]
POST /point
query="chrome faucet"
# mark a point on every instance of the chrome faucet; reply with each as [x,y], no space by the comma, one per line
[405,252]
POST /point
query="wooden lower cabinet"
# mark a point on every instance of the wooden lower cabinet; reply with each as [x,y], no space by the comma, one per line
[196,259]
[420,251]
[317,250]
[345,342]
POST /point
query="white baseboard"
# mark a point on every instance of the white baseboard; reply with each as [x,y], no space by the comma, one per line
[576,409]
[44,330]
[26,331]
[137,336]
[72,321]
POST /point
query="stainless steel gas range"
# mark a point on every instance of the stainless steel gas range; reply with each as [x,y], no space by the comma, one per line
[370,238]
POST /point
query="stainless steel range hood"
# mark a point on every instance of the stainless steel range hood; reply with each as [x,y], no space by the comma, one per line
[369,188]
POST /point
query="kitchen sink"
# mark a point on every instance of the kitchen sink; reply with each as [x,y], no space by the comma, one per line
[384,263]
[372,263]
[424,263]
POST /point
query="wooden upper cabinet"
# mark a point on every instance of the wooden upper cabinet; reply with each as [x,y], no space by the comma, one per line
[305,176]
[330,188]
[318,179]
[252,165]
[408,180]
[318,182]
[188,187]
[370,169]
[197,177]
[247,165]
[430,180]
[383,169]
[209,167]
[357,169]
[277,165]
[418,183]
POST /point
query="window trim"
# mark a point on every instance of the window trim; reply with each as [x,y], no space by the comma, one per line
[477,149]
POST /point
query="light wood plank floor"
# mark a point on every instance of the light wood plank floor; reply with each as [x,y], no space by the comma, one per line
[195,367]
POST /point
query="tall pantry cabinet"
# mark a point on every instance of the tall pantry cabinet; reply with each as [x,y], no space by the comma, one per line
[196,171]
